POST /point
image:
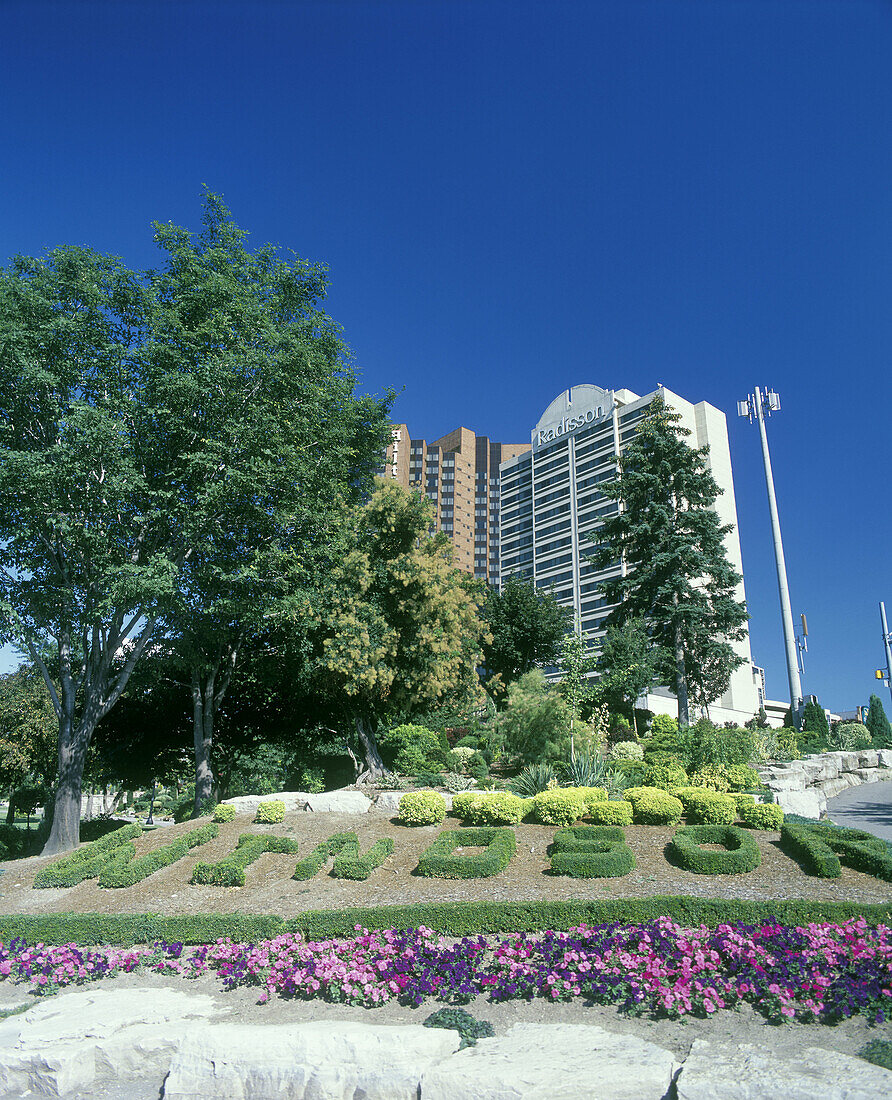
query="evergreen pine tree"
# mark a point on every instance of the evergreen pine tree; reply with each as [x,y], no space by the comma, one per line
[878,724]
[678,577]
[815,726]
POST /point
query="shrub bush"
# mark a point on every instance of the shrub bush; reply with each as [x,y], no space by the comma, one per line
[422,808]
[349,862]
[87,861]
[230,871]
[653,806]
[761,815]
[561,806]
[123,870]
[626,750]
[222,812]
[664,776]
[456,1019]
[849,737]
[820,848]
[453,918]
[439,861]
[413,750]
[489,808]
[631,770]
[741,777]
[705,807]
[591,851]
[712,776]
[611,813]
[742,799]
[712,745]
[270,813]
[741,855]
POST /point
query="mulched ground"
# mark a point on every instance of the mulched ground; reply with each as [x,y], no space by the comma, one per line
[270,889]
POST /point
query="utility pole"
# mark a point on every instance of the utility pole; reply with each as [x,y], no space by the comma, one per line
[887,638]
[761,406]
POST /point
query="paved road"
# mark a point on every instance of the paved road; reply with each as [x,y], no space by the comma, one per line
[866,807]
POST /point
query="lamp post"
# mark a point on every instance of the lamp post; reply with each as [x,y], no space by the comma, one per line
[887,638]
[760,406]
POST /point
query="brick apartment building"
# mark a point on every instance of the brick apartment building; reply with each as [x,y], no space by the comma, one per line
[459,475]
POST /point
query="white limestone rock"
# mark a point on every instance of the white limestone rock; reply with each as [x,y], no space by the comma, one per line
[85,1036]
[248,803]
[868,758]
[810,803]
[310,1061]
[389,801]
[884,758]
[720,1071]
[339,802]
[553,1062]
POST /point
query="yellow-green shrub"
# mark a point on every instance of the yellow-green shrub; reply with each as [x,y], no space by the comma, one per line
[422,808]
[741,799]
[591,796]
[222,812]
[653,806]
[665,776]
[488,807]
[270,813]
[762,815]
[712,776]
[706,807]
[561,806]
[611,813]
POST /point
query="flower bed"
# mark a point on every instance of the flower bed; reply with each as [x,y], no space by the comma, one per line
[821,972]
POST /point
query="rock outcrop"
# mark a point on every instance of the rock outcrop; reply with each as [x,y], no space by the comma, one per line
[803,786]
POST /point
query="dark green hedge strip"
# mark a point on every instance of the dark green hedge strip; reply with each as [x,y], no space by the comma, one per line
[230,871]
[450,918]
[123,870]
[591,851]
[87,861]
[741,855]
[820,849]
[349,862]
[438,860]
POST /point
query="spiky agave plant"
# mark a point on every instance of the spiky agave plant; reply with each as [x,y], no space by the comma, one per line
[586,769]
[533,779]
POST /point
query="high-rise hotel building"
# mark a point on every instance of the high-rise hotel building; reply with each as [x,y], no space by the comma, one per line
[551,508]
[459,475]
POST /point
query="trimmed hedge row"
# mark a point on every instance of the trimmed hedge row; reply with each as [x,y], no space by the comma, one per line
[123,870]
[438,860]
[230,871]
[349,863]
[820,849]
[591,851]
[88,861]
[742,852]
[449,918]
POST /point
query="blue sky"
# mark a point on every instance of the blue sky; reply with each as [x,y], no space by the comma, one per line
[517,197]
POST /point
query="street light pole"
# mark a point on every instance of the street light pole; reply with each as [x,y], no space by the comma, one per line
[760,406]
[887,638]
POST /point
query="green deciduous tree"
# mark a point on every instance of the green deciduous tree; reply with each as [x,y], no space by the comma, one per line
[527,626]
[28,728]
[162,446]
[678,578]
[878,724]
[536,722]
[399,632]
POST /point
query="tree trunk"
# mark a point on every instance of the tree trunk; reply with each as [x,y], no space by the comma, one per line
[203,737]
[681,681]
[374,765]
[73,745]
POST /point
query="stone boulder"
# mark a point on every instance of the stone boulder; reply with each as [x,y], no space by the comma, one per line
[719,1071]
[338,802]
[553,1062]
[306,1062]
[83,1037]
[808,803]
[389,801]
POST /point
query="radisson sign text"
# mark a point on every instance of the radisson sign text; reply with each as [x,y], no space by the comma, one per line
[568,424]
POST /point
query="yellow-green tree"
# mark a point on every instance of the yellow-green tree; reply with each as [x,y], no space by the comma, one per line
[401,632]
